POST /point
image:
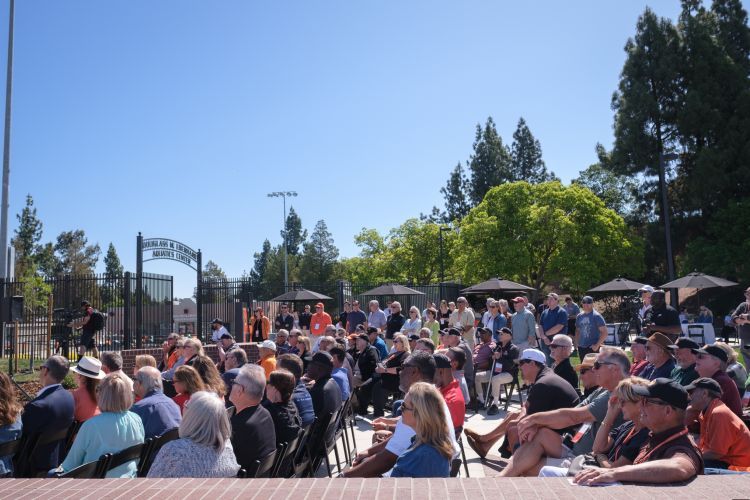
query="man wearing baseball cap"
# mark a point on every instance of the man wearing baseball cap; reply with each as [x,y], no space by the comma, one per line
[659,356]
[645,292]
[548,392]
[541,433]
[523,325]
[711,362]
[662,317]
[218,329]
[319,321]
[670,455]
[638,349]
[684,373]
[724,437]
[554,320]
[267,355]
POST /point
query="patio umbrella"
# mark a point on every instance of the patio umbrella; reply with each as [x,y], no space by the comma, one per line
[699,280]
[497,285]
[392,290]
[300,296]
[618,285]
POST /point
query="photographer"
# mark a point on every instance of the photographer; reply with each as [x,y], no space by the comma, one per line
[504,360]
[91,324]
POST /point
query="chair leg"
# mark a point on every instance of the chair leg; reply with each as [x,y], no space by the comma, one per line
[354,441]
[463,455]
[328,463]
[336,454]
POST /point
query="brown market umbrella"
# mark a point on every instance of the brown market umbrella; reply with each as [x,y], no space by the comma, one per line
[699,280]
[496,285]
[618,285]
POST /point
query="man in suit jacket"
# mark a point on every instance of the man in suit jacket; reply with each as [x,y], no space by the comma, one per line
[253,434]
[51,411]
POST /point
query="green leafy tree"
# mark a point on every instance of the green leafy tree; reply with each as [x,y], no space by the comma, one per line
[616,191]
[214,288]
[526,157]
[319,256]
[454,193]
[48,264]
[74,254]
[544,233]
[490,163]
[28,234]
[296,236]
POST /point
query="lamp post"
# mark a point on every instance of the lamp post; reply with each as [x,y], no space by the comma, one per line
[283,195]
[6,150]
[663,159]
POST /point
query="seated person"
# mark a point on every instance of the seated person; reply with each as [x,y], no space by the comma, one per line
[158,412]
[547,392]
[711,362]
[51,411]
[659,356]
[187,381]
[449,388]
[204,448]
[431,450]
[587,375]
[10,421]
[388,369]
[669,455]
[279,404]
[88,374]
[366,358]
[253,431]
[614,446]
[458,362]
[113,430]
[232,363]
[300,396]
[339,373]
[725,439]
[684,373]
[638,349]
[112,363]
[560,350]
[325,392]
[734,370]
[505,358]
[540,433]
[267,354]
[426,345]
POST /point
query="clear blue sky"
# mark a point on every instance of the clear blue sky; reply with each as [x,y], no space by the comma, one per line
[175,118]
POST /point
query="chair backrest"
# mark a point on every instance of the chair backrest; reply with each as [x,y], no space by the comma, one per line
[290,452]
[262,467]
[29,447]
[122,457]
[72,433]
[280,453]
[91,470]
[455,467]
[145,454]
[153,450]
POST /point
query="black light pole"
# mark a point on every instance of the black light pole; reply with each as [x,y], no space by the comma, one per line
[284,194]
[6,149]
[663,159]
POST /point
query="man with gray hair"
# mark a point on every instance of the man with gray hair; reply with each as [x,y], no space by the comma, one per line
[112,363]
[158,412]
[253,434]
[376,318]
[463,319]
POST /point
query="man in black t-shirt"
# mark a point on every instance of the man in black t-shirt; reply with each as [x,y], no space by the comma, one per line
[284,320]
[88,327]
[662,318]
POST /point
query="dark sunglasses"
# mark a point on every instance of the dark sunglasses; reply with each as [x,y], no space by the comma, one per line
[657,402]
[524,361]
[599,364]
[585,371]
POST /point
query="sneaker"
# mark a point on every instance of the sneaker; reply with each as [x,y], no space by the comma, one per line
[493,410]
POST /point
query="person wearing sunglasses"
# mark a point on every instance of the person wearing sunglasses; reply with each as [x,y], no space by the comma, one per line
[544,436]
[741,318]
[684,373]
[669,455]
[587,375]
[659,356]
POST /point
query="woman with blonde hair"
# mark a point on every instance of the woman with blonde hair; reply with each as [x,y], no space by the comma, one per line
[389,370]
[144,360]
[191,349]
[431,451]
[187,381]
[115,429]
[413,323]
[204,448]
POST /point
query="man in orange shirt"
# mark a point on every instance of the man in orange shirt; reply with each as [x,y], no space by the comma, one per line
[450,389]
[725,440]
[318,323]
[267,352]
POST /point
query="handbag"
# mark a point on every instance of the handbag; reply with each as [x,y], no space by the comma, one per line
[582,462]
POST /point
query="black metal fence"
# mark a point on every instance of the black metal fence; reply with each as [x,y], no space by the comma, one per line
[50,304]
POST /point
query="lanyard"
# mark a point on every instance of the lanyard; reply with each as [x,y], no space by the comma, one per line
[678,435]
[624,442]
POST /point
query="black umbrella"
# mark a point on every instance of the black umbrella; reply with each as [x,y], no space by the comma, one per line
[699,280]
[618,285]
[392,290]
[497,285]
[300,296]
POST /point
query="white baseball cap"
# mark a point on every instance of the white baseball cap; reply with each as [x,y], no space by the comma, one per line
[268,344]
[533,355]
[646,288]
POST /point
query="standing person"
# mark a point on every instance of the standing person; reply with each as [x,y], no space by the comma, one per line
[114,430]
[413,323]
[443,315]
[225,346]
[433,324]
[10,421]
[282,344]
[217,330]
[431,450]
[662,318]
[590,328]
[284,320]
[260,326]
[170,352]
[573,311]
[304,320]
[741,318]
[91,324]
[496,319]
[487,313]
[395,321]
[355,318]
[523,325]
[645,294]
[463,319]
[554,320]
[88,375]
[343,315]
[318,323]
[376,318]
[253,430]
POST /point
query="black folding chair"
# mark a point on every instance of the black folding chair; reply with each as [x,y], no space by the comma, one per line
[301,457]
[154,448]
[10,449]
[459,431]
[455,467]
[29,448]
[95,469]
[329,444]
[280,453]
[72,433]
[284,461]
[262,467]
[242,474]
[135,452]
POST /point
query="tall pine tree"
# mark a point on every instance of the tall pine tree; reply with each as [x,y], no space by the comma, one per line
[526,157]
[26,239]
[258,273]
[490,164]
[296,236]
[319,256]
[454,193]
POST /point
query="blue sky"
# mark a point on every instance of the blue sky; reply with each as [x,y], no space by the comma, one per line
[175,118]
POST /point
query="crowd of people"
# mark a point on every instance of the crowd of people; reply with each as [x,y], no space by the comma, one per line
[665,413]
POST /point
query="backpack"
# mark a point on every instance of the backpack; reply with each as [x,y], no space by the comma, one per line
[97,320]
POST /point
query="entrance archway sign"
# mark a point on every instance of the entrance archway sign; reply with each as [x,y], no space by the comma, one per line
[166,249]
